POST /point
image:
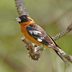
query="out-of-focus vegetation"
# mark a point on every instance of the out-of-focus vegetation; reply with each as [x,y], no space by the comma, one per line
[13,54]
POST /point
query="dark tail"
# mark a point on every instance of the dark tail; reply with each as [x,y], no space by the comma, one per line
[65,57]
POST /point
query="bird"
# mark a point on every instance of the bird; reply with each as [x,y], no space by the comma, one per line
[37,35]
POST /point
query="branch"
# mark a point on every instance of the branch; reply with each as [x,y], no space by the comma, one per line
[62,54]
[61,34]
[22,11]
[33,50]
[21,7]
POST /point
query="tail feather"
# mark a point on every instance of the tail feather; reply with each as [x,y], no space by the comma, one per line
[65,57]
[60,55]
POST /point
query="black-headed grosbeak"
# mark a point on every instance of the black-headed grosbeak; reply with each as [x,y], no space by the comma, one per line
[37,35]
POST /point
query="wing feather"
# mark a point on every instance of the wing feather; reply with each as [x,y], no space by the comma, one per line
[39,34]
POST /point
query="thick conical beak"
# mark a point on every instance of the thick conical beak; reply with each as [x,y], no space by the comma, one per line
[18,19]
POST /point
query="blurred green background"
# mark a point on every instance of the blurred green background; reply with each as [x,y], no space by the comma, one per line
[47,13]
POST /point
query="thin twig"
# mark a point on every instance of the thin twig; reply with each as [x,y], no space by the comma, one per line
[63,33]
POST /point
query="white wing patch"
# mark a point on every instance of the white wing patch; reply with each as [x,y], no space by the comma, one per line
[38,34]
[40,40]
[35,32]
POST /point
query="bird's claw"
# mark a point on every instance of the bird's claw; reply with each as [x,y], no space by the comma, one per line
[34,51]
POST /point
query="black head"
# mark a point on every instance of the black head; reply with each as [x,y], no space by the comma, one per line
[23,18]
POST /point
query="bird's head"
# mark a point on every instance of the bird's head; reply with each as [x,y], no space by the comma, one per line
[24,18]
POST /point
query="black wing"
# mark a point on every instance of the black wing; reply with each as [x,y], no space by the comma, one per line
[39,34]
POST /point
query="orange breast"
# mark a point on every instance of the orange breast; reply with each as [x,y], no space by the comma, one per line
[27,36]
